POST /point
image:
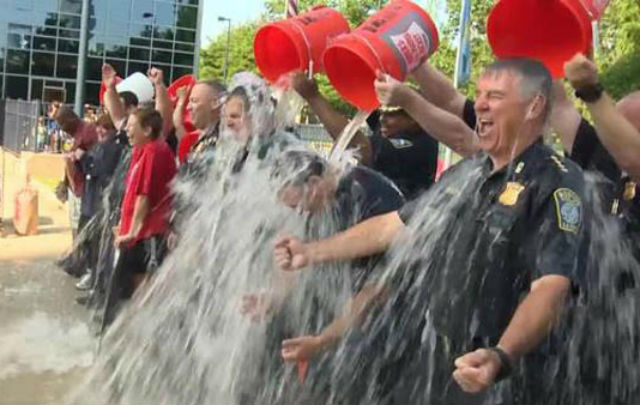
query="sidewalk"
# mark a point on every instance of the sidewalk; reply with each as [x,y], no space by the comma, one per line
[45,341]
[54,234]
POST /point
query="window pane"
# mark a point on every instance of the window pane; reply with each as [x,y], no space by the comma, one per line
[140,30]
[36,88]
[67,66]
[69,21]
[119,11]
[143,11]
[161,57]
[44,44]
[71,6]
[165,14]
[71,34]
[43,63]
[184,47]
[94,68]
[117,51]
[92,91]
[137,67]
[179,72]
[68,46]
[48,31]
[138,53]
[17,61]
[186,36]
[2,53]
[140,42]
[71,90]
[183,59]
[187,17]
[19,36]
[16,87]
[163,44]
[165,33]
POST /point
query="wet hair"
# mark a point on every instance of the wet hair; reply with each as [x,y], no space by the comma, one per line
[104,121]
[241,93]
[149,118]
[536,79]
[296,167]
[129,99]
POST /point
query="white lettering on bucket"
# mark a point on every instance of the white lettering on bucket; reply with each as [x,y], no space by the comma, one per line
[413,44]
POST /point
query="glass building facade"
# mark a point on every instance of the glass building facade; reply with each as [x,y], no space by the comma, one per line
[39,42]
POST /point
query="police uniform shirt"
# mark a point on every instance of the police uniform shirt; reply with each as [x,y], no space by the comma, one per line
[361,194]
[508,229]
[408,159]
[621,196]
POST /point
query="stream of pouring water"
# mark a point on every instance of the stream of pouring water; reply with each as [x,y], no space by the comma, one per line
[185,341]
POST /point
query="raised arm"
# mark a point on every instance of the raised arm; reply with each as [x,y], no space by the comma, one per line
[439,90]
[178,122]
[369,237]
[163,102]
[619,136]
[112,102]
[333,121]
[440,124]
[565,119]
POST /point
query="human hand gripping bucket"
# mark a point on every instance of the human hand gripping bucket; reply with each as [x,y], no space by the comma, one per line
[551,31]
[189,81]
[395,40]
[298,42]
[137,83]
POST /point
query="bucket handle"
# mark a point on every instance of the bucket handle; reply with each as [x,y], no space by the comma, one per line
[372,49]
[307,43]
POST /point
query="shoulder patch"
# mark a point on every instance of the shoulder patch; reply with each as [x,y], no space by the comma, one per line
[568,209]
[400,143]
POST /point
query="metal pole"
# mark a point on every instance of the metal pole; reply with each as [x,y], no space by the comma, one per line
[226,56]
[196,53]
[82,58]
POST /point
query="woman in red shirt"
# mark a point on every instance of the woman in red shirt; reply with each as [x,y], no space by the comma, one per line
[146,205]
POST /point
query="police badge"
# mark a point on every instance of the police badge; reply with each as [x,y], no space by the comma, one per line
[510,193]
[568,209]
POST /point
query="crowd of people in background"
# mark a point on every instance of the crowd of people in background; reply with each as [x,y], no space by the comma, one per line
[521,220]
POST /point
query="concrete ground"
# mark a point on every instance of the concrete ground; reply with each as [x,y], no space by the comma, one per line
[45,340]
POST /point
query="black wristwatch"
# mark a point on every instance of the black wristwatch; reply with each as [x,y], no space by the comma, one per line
[506,365]
[590,93]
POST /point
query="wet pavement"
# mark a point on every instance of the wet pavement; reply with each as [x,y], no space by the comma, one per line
[46,344]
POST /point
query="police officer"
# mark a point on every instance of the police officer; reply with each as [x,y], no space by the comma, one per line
[397,148]
[500,271]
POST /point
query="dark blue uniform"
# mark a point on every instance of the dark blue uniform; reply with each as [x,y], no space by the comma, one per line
[506,229]
[408,159]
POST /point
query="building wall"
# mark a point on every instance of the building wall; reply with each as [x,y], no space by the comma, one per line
[39,43]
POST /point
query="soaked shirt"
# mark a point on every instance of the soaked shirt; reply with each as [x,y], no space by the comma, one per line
[621,196]
[361,194]
[408,159]
[508,229]
[151,172]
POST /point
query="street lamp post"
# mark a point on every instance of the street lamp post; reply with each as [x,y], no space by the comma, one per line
[226,56]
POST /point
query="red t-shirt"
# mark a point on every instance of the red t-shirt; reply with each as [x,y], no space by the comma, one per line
[152,169]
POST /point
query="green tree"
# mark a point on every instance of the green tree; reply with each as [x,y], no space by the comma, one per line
[240,53]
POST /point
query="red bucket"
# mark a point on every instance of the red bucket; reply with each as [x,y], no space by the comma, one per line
[291,44]
[551,31]
[186,80]
[395,40]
